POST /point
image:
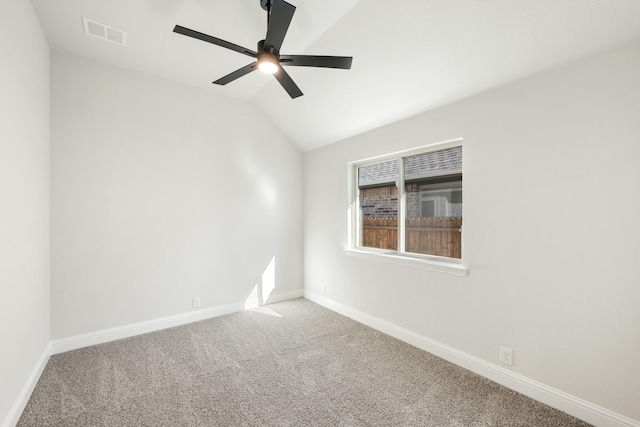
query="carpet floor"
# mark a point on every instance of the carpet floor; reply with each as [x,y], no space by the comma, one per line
[287,364]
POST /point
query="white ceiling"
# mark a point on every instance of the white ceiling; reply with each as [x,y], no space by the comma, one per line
[409,55]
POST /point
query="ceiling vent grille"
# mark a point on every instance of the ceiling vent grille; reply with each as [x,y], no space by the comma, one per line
[104,32]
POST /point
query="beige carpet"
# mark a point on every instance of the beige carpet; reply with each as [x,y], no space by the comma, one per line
[288,364]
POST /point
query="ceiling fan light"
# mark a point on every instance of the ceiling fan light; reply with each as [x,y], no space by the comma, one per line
[268,64]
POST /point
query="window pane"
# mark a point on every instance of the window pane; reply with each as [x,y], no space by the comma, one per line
[433,194]
[433,164]
[378,210]
[383,173]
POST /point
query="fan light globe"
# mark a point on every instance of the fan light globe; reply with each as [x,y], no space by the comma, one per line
[267,64]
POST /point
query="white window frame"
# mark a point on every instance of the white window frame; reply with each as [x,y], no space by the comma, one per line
[430,262]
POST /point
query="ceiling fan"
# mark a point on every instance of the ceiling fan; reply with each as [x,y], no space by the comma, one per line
[268,58]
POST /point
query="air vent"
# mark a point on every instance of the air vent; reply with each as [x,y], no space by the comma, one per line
[104,32]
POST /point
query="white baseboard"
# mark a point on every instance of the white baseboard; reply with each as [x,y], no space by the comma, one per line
[23,398]
[555,398]
[112,334]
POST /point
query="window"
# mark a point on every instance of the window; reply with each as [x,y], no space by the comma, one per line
[409,204]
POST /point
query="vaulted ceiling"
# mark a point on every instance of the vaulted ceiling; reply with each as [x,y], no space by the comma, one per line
[409,55]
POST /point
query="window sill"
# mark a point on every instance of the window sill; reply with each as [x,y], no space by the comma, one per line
[443,267]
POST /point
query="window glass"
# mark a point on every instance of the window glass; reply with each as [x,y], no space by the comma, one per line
[378,206]
[433,194]
[434,219]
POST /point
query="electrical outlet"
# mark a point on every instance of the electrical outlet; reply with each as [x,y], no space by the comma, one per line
[506,356]
[196,302]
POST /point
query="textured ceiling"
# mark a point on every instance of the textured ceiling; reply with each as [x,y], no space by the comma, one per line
[409,55]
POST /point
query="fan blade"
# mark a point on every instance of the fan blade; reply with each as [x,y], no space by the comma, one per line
[237,74]
[287,83]
[214,40]
[280,17]
[342,62]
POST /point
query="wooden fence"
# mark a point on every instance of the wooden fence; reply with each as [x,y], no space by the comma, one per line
[433,236]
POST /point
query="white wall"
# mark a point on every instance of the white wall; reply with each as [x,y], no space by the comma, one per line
[551,231]
[24,199]
[161,192]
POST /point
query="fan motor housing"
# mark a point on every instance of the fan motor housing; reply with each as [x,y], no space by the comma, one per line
[266,4]
[271,50]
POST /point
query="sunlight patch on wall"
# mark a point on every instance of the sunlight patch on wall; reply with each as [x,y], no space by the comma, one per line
[268,280]
[263,289]
[252,300]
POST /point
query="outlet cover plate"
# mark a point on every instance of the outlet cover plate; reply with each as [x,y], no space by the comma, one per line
[506,356]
